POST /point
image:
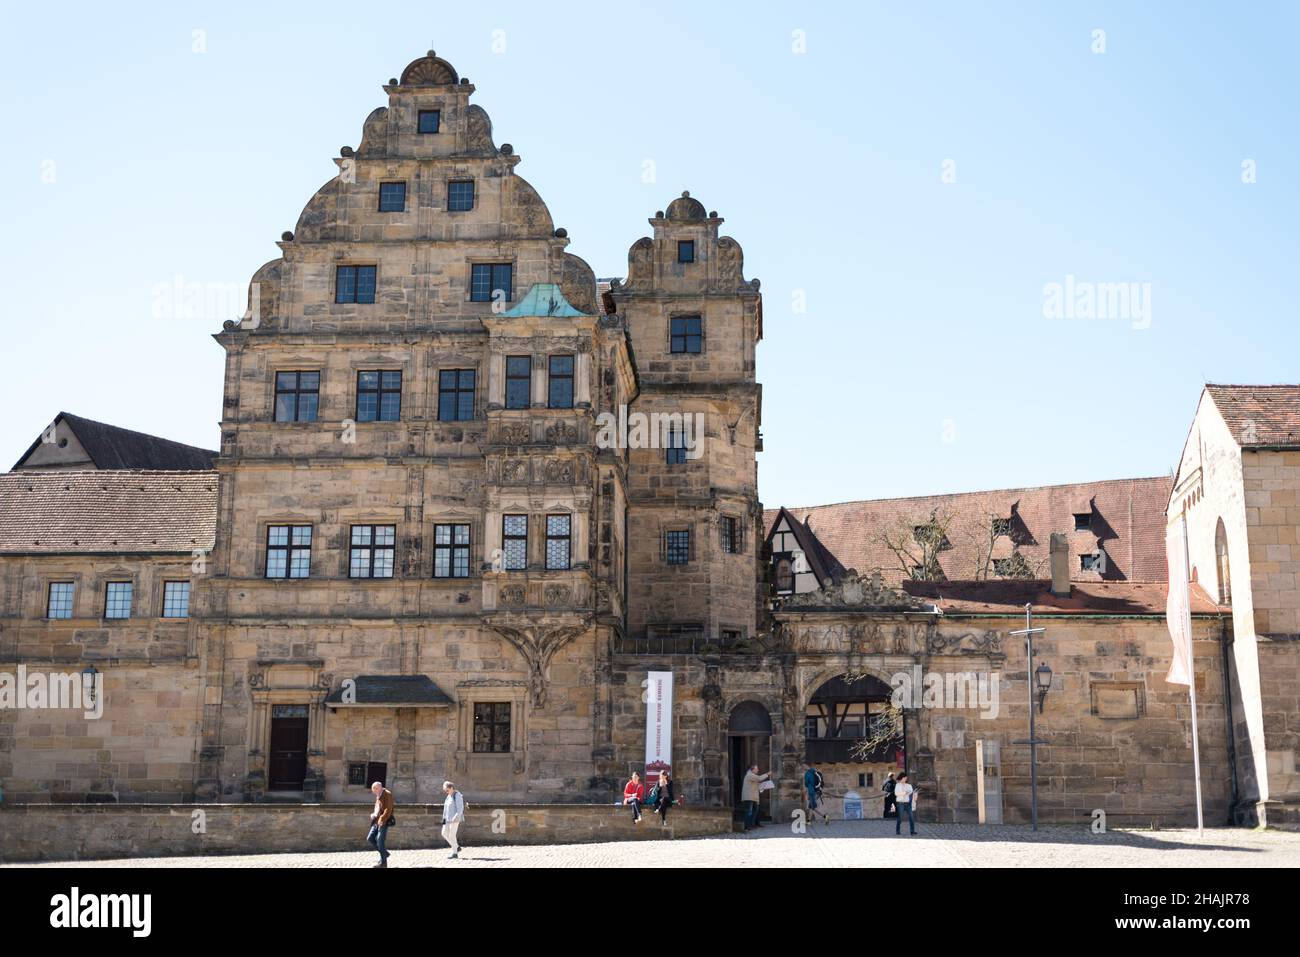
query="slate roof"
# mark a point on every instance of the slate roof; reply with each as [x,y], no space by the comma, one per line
[392,691]
[112,447]
[113,512]
[1260,415]
[1127,520]
[1099,598]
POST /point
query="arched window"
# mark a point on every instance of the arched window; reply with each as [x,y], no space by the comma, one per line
[1221,564]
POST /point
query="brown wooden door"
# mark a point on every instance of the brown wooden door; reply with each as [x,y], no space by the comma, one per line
[288,760]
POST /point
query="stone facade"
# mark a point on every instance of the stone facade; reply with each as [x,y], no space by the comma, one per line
[1238,490]
[426,559]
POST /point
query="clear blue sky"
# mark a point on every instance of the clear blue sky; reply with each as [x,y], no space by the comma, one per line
[923,362]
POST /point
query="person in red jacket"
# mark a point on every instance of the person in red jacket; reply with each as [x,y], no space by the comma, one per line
[634,794]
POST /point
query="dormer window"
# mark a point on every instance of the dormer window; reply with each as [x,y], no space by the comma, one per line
[686,251]
[392,197]
[1082,521]
[429,120]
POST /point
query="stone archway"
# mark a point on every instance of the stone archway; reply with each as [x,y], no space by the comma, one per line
[749,742]
[844,735]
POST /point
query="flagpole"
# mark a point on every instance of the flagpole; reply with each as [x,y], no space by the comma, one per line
[1191,673]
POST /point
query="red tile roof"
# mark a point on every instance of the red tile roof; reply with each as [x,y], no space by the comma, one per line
[1127,520]
[1260,415]
[107,512]
[1085,598]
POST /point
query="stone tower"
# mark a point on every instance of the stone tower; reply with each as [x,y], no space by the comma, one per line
[693,511]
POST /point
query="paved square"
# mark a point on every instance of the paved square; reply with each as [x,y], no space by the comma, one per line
[843,844]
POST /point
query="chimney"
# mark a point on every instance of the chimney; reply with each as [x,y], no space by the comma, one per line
[1059,551]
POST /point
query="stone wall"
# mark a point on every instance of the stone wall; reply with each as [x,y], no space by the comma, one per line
[99,832]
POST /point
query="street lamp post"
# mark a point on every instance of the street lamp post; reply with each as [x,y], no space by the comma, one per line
[1038,682]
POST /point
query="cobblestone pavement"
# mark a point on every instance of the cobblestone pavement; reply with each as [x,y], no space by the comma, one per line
[842,844]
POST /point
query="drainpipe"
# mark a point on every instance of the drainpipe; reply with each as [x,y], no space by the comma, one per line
[1225,643]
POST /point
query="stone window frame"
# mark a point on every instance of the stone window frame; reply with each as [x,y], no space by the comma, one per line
[516,693]
[476,414]
[380,199]
[738,534]
[298,368]
[342,549]
[1140,698]
[133,605]
[379,391]
[686,314]
[473,198]
[569,515]
[691,244]
[437,124]
[572,377]
[264,538]
[99,585]
[475,522]
[472,261]
[162,599]
[379,361]
[690,545]
[43,596]
[349,264]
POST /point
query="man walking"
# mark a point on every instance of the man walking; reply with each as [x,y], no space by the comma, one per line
[453,812]
[888,787]
[903,796]
[813,783]
[749,796]
[381,819]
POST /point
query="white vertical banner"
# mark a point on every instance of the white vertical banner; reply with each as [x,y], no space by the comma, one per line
[658,725]
[1178,614]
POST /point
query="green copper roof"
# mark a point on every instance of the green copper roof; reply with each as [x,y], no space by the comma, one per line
[544,299]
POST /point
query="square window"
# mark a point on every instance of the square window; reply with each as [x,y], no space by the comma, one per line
[686,334]
[491,727]
[357,773]
[354,284]
[559,388]
[460,195]
[451,551]
[429,121]
[288,551]
[491,282]
[514,542]
[456,395]
[392,197]
[1082,521]
[59,603]
[176,599]
[686,251]
[372,551]
[558,542]
[519,381]
[117,600]
[379,395]
[678,544]
[297,396]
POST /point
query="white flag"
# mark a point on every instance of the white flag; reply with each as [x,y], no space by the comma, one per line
[1178,604]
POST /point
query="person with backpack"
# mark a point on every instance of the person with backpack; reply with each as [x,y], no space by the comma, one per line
[634,794]
[890,804]
[453,813]
[813,782]
[661,797]
[903,796]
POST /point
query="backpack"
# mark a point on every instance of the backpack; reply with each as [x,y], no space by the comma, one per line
[818,781]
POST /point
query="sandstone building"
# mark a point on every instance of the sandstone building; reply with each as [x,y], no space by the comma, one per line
[419,554]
